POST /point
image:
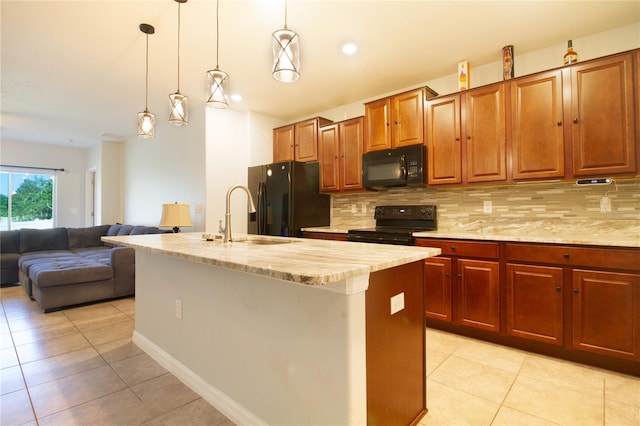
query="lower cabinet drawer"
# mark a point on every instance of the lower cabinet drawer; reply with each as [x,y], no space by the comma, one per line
[625,259]
[465,248]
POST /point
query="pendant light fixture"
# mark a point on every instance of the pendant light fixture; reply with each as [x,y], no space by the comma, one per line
[179,115]
[146,120]
[286,53]
[216,77]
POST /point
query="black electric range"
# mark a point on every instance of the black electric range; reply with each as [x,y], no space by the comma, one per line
[396,224]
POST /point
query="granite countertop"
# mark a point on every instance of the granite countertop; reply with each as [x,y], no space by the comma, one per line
[620,233]
[300,260]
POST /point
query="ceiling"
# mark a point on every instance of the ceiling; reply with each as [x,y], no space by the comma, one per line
[73,71]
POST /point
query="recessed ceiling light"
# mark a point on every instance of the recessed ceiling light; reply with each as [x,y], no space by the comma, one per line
[349,48]
[235,97]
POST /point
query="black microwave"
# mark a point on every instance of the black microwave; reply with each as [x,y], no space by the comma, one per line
[394,167]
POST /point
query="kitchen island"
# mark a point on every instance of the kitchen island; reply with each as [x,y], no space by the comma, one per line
[284,330]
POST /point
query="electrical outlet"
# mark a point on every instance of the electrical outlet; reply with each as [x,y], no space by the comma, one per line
[605,205]
[397,303]
[354,208]
[488,206]
[179,309]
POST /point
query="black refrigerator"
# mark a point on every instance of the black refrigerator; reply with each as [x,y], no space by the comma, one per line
[287,199]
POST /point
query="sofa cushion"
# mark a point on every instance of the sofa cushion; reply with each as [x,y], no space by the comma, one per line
[125,229]
[113,230]
[86,237]
[58,272]
[9,242]
[139,230]
[43,239]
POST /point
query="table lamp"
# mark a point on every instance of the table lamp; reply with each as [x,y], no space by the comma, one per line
[175,215]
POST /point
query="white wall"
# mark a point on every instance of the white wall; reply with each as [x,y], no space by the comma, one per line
[169,168]
[107,161]
[235,140]
[70,193]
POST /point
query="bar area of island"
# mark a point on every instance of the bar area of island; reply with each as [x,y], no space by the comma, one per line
[286,331]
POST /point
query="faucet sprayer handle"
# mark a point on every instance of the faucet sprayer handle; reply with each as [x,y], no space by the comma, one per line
[221,228]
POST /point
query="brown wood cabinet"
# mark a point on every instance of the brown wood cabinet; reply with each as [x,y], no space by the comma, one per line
[534,303]
[437,288]
[603,133]
[537,136]
[472,297]
[575,302]
[599,299]
[396,370]
[340,155]
[298,141]
[606,313]
[466,137]
[395,121]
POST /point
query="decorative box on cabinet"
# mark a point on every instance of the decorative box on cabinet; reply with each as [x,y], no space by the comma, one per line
[340,155]
[466,137]
[298,141]
[474,294]
[396,121]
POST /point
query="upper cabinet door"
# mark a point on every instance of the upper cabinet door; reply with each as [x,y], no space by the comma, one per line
[408,119]
[306,140]
[485,134]
[283,143]
[378,125]
[537,137]
[352,141]
[443,141]
[602,117]
[328,157]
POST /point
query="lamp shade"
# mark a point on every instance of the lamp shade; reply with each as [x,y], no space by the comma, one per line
[175,215]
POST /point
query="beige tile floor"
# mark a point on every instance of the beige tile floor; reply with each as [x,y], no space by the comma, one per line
[78,366]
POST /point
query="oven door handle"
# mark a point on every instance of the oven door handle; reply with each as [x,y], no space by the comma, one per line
[403,167]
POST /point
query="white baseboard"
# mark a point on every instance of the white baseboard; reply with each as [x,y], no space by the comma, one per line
[227,406]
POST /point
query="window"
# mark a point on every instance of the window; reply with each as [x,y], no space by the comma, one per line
[26,200]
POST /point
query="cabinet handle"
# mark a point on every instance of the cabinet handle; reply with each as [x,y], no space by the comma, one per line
[558,288]
[388,124]
[576,291]
[457,138]
[567,255]
[559,123]
[395,122]
[460,276]
[453,248]
[446,274]
[469,137]
[575,120]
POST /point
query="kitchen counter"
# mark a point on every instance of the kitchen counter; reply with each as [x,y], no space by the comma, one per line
[619,233]
[300,260]
[274,330]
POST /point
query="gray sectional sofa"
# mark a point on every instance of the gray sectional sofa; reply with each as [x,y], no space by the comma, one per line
[68,266]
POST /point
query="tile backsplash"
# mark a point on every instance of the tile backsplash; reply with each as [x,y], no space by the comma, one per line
[555,201]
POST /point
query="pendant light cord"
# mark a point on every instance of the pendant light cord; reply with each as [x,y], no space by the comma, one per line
[178,91]
[217,31]
[285,14]
[146,80]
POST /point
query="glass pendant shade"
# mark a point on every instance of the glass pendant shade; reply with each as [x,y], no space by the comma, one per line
[179,115]
[146,125]
[286,56]
[216,97]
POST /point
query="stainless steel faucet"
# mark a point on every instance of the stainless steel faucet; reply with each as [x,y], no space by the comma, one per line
[226,230]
